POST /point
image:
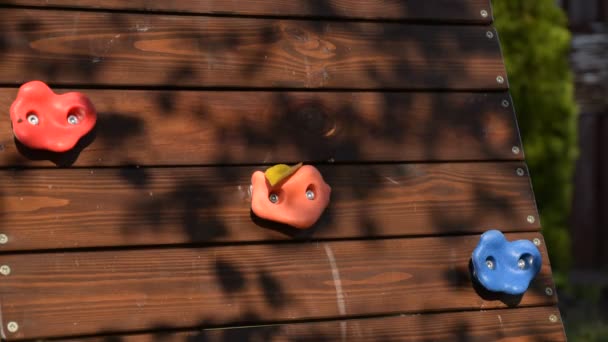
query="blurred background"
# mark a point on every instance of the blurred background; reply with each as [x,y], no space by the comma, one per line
[556,52]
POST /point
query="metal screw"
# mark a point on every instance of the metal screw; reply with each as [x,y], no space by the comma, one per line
[531,219]
[549,291]
[3,239]
[484,13]
[520,171]
[5,270]
[536,241]
[274,198]
[553,318]
[490,264]
[500,79]
[310,195]
[521,263]
[12,327]
[73,120]
[515,150]
[489,34]
[33,119]
[505,103]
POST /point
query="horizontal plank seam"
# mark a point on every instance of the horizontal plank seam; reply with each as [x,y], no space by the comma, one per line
[261,89]
[222,244]
[8,86]
[311,162]
[302,321]
[421,21]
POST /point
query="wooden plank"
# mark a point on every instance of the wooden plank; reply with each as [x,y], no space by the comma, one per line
[59,294]
[190,127]
[524,324]
[585,206]
[440,10]
[70,208]
[602,229]
[112,49]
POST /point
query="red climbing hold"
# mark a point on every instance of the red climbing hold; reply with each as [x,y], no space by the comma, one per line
[47,121]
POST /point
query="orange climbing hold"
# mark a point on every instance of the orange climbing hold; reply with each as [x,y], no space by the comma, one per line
[297,200]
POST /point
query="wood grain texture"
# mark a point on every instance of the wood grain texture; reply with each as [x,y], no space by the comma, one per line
[207,127]
[112,49]
[521,324]
[69,208]
[60,294]
[439,10]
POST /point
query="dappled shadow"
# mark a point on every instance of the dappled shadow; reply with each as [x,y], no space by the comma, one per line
[112,129]
[283,229]
[230,278]
[135,175]
[272,289]
[163,332]
[507,299]
[315,127]
[61,159]
[299,40]
[116,129]
[191,205]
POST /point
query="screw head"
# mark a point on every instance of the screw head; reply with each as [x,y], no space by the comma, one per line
[505,103]
[521,263]
[274,198]
[520,172]
[33,119]
[310,195]
[530,219]
[3,239]
[500,79]
[490,264]
[484,13]
[515,150]
[5,270]
[536,241]
[12,327]
[553,318]
[73,120]
[490,34]
[549,291]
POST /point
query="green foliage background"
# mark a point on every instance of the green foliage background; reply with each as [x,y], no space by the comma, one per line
[536,42]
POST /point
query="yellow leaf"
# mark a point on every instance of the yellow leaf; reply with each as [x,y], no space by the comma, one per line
[280,172]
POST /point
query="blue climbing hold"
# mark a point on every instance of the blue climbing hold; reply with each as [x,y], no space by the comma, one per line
[505,266]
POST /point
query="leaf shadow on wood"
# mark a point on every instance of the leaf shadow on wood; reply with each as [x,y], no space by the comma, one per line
[230,278]
[60,159]
[195,202]
[509,300]
[162,332]
[191,204]
[283,229]
[310,122]
[137,176]
[113,130]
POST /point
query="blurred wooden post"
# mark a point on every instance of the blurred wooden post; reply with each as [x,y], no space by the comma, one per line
[603,201]
[583,12]
[590,212]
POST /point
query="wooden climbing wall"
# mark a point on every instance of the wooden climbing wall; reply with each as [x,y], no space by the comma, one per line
[144,231]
